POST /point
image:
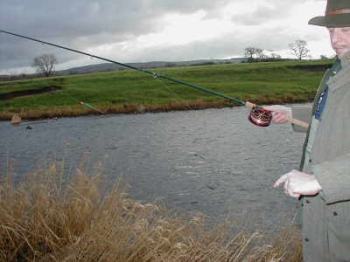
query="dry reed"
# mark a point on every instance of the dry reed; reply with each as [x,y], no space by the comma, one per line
[46,217]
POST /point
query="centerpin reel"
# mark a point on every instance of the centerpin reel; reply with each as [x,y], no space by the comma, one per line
[260,116]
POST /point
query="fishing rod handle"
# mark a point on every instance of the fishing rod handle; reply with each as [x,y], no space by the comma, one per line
[250,105]
[298,122]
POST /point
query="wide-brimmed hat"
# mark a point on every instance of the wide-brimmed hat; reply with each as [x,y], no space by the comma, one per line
[337,15]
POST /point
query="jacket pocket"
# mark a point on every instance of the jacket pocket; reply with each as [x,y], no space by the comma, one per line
[338,217]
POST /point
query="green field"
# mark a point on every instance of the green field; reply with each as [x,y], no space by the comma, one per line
[130,91]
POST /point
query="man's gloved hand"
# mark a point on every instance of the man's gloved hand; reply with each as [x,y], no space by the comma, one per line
[298,184]
[280,114]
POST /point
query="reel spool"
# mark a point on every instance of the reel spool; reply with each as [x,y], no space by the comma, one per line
[260,116]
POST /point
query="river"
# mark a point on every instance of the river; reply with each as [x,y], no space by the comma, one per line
[211,161]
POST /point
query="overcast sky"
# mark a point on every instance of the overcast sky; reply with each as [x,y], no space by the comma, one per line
[153,30]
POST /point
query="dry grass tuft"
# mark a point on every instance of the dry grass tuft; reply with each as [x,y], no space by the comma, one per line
[47,218]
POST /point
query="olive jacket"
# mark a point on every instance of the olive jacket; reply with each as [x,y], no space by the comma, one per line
[326,154]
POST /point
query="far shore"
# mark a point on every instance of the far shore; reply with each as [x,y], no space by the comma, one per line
[81,110]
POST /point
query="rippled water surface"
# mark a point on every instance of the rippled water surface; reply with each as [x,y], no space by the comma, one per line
[211,161]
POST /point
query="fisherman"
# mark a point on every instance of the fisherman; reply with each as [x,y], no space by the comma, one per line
[323,181]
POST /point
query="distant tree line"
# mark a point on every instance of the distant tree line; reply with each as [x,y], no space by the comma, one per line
[254,54]
[298,49]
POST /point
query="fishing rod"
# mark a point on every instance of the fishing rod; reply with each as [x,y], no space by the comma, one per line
[258,115]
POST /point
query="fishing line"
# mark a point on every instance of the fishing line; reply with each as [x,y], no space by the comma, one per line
[87,105]
[258,115]
[170,89]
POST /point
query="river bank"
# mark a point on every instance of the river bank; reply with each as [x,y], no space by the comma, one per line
[81,110]
[131,92]
[47,217]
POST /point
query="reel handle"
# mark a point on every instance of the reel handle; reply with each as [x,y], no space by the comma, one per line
[293,121]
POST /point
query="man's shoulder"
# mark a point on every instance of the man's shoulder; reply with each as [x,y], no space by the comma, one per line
[340,79]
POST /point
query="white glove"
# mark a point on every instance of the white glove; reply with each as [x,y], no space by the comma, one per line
[298,184]
[280,114]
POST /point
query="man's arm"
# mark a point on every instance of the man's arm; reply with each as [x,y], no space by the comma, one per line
[303,113]
[283,114]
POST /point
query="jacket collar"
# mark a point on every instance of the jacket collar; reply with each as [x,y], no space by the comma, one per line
[345,60]
[339,72]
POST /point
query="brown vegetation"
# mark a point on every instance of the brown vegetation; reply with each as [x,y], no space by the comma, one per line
[48,218]
[78,110]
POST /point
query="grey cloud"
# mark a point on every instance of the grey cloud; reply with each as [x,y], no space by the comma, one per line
[83,18]
[267,11]
[259,16]
[82,23]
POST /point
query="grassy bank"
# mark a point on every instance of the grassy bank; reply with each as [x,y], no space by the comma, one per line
[49,218]
[129,91]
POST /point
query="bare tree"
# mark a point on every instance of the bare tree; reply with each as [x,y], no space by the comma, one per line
[275,56]
[45,64]
[299,49]
[252,52]
[260,53]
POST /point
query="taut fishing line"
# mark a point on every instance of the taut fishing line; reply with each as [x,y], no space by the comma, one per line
[258,115]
